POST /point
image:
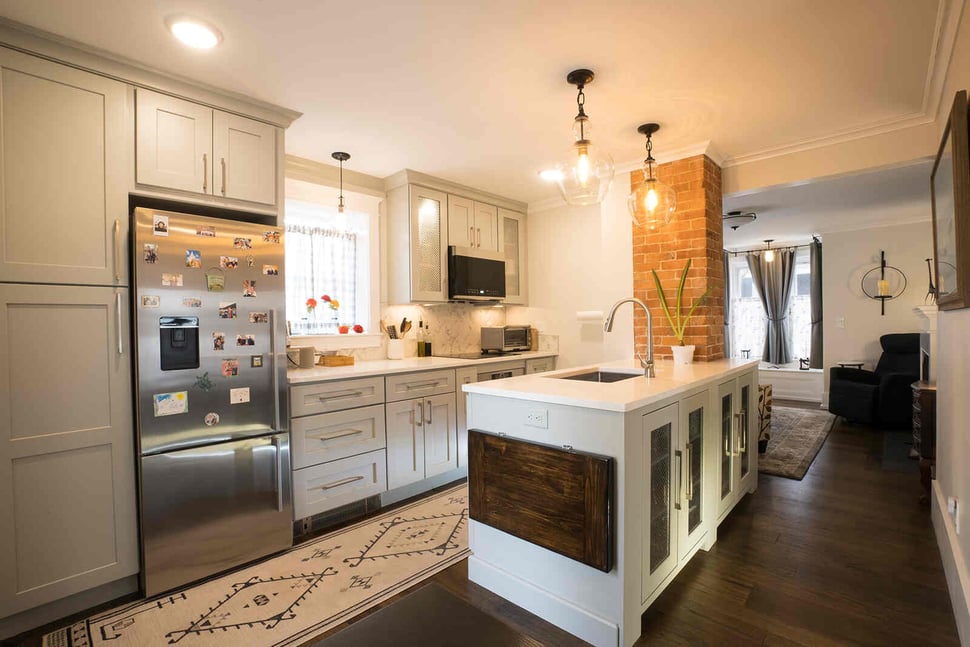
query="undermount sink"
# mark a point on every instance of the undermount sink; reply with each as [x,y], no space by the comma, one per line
[599,376]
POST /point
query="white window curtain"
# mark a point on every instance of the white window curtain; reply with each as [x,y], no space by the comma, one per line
[320,261]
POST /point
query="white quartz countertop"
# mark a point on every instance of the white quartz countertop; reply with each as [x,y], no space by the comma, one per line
[406,365]
[625,395]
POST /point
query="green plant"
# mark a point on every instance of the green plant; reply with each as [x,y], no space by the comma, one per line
[678,323]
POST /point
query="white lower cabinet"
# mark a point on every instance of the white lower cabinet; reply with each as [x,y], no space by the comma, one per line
[330,485]
[737,471]
[463,376]
[422,439]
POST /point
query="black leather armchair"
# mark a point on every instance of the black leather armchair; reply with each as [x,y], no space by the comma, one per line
[883,397]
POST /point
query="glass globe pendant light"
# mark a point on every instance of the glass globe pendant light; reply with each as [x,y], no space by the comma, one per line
[652,204]
[585,173]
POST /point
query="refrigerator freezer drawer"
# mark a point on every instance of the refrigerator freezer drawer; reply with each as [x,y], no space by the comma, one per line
[331,436]
[405,386]
[331,485]
[208,509]
[322,397]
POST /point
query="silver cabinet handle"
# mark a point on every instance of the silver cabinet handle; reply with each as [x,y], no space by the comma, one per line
[222,160]
[429,411]
[738,433]
[336,434]
[340,396]
[121,344]
[276,374]
[349,479]
[205,173]
[743,432]
[680,478]
[117,250]
[422,385]
[419,419]
[279,473]
[471,236]
[727,443]
[479,243]
[690,472]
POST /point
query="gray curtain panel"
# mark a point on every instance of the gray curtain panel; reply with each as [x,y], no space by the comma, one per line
[727,306]
[774,283]
[815,265]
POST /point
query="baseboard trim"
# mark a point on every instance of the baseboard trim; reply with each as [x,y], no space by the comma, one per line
[565,615]
[954,566]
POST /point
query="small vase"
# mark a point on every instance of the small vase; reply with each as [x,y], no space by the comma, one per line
[683,354]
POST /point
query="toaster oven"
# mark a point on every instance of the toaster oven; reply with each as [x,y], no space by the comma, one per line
[505,339]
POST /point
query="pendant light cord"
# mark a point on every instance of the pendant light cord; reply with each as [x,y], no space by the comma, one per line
[650,160]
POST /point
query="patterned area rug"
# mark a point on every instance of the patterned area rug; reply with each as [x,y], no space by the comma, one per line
[294,596]
[796,437]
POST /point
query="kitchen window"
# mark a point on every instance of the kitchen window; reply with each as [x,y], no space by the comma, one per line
[330,254]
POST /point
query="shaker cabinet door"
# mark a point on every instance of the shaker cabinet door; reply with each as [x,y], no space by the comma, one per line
[244,158]
[440,435]
[486,227]
[63,193]
[405,442]
[461,221]
[173,143]
[67,455]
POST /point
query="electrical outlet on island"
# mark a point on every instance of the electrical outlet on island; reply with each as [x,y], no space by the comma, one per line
[537,418]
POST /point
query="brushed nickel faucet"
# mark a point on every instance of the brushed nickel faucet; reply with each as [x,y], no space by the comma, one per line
[645,362]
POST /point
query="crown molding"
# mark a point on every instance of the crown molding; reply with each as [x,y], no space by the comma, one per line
[949,13]
[307,170]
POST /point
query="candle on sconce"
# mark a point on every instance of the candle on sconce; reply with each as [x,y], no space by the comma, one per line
[883,288]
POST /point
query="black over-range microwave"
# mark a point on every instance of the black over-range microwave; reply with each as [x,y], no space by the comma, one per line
[475,274]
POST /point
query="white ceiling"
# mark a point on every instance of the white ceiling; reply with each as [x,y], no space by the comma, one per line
[475,91]
[793,214]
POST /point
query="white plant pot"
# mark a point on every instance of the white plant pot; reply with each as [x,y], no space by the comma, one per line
[683,354]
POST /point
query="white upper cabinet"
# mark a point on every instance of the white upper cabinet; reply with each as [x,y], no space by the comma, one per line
[417,242]
[512,244]
[245,154]
[185,146]
[63,193]
[173,143]
[472,224]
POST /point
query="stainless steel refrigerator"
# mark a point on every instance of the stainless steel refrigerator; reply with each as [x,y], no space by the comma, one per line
[211,376]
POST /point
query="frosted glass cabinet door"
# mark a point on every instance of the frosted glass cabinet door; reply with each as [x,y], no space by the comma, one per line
[693,518]
[63,192]
[659,542]
[244,158]
[512,241]
[727,451]
[429,245]
[173,143]
[67,457]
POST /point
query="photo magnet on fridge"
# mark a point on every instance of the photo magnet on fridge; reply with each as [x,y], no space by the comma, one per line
[150,301]
[151,253]
[211,419]
[171,280]
[245,340]
[193,259]
[272,237]
[239,396]
[192,302]
[230,367]
[271,270]
[258,317]
[249,288]
[160,225]
[228,262]
[218,341]
[256,361]
[208,232]
[227,310]
[242,243]
[170,404]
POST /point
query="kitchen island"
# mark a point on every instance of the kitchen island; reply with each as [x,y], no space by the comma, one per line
[657,464]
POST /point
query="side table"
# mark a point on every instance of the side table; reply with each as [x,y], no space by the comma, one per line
[855,363]
[924,433]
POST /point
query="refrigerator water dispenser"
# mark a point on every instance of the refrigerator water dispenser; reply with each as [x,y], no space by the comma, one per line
[178,341]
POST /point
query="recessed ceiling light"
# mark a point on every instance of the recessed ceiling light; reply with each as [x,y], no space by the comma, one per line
[551,175]
[193,32]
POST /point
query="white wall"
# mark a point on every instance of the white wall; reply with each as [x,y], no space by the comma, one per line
[953,405]
[846,256]
[581,258]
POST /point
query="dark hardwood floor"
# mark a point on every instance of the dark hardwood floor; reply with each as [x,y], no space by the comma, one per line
[846,556]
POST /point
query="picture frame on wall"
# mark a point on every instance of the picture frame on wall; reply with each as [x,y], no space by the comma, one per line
[950,195]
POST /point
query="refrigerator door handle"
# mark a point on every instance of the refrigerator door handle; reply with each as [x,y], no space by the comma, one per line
[279,473]
[275,369]
[121,346]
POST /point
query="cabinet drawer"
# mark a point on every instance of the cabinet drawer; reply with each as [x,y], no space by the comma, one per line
[540,365]
[418,385]
[323,397]
[330,436]
[324,487]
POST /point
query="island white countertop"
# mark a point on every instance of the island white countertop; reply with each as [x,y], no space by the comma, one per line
[625,395]
[406,365]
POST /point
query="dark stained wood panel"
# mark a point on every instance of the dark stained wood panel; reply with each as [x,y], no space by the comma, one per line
[559,499]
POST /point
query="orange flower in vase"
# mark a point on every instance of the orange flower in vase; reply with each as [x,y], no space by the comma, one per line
[311,304]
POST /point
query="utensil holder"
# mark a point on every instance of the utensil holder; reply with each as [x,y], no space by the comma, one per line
[395,349]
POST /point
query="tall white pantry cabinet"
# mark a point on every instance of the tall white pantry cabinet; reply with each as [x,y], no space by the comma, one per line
[67,458]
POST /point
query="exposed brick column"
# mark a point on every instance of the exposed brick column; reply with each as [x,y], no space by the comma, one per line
[695,233]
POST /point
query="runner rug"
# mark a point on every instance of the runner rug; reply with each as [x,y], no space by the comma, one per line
[796,437]
[288,599]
